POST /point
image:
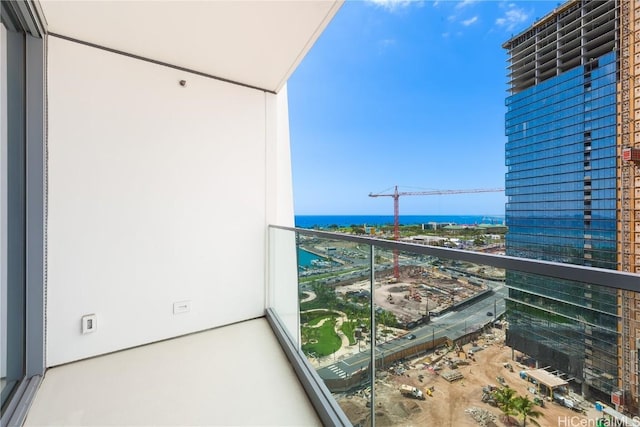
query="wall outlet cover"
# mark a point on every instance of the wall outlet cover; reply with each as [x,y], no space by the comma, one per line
[89,323]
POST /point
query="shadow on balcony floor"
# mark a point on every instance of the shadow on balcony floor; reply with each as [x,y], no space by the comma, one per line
[234,375]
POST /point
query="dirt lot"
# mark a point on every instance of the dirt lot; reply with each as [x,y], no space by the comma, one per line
[450,402]
[440,293]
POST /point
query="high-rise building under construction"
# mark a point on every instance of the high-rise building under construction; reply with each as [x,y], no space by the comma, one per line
[573,126]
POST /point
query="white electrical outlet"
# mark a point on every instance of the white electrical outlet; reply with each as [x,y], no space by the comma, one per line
[180,307]
[89,323]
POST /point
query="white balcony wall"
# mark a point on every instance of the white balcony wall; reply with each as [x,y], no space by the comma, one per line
[157,193]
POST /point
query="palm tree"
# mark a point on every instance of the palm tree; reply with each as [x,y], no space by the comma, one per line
[505,397]
[525,407]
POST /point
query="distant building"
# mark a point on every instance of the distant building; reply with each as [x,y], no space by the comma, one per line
[425,240]
[493,236]
[493,228]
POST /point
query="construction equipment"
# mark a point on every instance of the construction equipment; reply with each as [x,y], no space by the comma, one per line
[410,391]
[452,376]
[413,294]
[564,401]
[396,210]
[487,395]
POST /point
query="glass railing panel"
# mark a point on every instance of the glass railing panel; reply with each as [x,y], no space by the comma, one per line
[335,309]
[432,314]
[452,327]
[282,293]
[573,326]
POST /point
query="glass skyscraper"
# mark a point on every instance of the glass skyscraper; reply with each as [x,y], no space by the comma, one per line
[561,183]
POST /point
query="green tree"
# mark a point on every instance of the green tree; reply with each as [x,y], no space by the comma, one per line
[387,318]
[526,409]
[505,398]
[325,294]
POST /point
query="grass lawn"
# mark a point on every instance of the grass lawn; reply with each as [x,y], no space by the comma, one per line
[321,276]
[325,340]
[314,317]
[314,321]
[349,328]
[311,305]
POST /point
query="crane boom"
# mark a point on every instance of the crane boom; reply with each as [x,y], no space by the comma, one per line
[396,210]
[435,192]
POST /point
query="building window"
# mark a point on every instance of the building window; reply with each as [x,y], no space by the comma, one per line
[21,192]
[12,211]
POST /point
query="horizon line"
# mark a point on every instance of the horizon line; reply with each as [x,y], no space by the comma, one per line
[400,216]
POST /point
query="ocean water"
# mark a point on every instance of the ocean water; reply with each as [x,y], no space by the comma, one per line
[305,258]
[324,221]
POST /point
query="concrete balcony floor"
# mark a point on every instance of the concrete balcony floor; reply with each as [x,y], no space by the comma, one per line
[236,375]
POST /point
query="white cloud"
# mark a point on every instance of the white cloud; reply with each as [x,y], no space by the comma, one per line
[512,17]
[385,43]
[391,5]
[469,21]
[458,11]
[465,3]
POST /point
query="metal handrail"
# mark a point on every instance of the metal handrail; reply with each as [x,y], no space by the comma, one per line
[597,276]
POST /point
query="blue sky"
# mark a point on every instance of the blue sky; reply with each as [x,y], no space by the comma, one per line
[407,93]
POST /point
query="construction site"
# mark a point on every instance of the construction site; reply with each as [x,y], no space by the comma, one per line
[410,286]
[421,292]
[452,387]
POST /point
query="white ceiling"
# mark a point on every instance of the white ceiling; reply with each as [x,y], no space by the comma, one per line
[257,43]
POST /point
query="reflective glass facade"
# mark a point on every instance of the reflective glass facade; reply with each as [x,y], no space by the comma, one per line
[12,213]
[22,168]
[561,188]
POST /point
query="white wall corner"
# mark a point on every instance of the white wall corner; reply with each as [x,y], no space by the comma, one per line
[278,181]
[281,264]
[156,196]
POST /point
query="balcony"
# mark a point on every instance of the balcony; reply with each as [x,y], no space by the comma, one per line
[154,143]
[245,373]
[151,180]
[233,375]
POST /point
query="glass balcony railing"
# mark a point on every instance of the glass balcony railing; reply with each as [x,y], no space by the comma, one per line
[450,329]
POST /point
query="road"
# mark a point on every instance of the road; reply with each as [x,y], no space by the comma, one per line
[453,325]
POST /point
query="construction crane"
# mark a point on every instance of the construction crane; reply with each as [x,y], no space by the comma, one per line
[396,210]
